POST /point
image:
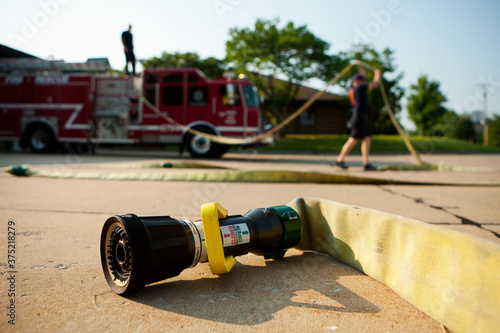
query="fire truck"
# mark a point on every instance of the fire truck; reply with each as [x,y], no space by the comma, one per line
[44,104]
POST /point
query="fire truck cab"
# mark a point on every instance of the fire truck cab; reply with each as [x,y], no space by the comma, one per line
[46,103]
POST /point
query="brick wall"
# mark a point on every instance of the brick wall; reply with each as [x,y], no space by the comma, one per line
[320,118]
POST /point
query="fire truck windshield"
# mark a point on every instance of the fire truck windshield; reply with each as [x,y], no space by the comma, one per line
[251,96]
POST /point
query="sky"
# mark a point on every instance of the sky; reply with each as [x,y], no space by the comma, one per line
[453,42]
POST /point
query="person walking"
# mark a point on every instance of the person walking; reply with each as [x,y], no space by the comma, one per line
[128,47]
[360,129]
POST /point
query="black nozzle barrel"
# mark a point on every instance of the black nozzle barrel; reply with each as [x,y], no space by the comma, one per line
[136,251]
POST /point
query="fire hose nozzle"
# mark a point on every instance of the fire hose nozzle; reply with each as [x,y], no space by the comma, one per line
[136,251]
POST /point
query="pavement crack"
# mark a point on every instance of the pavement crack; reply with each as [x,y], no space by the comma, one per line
[463,220]
[467,221]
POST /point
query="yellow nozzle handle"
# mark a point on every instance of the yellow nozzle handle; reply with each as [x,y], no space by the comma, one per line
[210,215]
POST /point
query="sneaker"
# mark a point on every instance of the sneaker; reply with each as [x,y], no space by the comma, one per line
[341,165]
[370,167]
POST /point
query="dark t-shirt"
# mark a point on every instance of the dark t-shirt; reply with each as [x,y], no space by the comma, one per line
[360,99]
[359,122]
[127,38]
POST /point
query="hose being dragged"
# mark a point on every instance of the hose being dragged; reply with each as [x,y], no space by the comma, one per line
[289,119]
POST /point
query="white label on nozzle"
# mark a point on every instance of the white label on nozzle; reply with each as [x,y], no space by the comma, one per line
[235,234]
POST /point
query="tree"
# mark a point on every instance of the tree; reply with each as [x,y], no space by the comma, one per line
[494,131]
[425,104]
[380,121]
[212,67]
[267,52]
[455,126]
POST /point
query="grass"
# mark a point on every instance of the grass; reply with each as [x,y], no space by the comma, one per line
[380,144]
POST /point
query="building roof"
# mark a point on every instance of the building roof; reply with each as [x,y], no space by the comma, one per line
[8,52]
[306,93]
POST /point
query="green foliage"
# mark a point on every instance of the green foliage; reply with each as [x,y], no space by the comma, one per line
[494,131]
[212,67]
[425,104]
[267,52]
[379,118]
[279,59]
[454,126]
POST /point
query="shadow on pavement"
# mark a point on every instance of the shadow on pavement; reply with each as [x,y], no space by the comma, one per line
[251,295]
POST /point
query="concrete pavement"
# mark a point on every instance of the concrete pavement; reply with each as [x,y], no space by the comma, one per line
[59,285]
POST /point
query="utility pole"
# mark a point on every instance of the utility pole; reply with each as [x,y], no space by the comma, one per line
[485,115]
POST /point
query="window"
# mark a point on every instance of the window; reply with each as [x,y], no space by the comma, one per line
[229,94]
[151,95]
[198,96]
[307,118]
[193,78]
[151,78]
[172,78]
[251,96]
[172,95]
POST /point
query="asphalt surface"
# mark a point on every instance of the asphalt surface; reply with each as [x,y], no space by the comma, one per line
[59,284]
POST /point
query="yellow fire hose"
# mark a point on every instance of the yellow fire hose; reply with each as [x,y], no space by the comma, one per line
[254,139]
[230,175]
[451,276]
[394,120]
[260,137]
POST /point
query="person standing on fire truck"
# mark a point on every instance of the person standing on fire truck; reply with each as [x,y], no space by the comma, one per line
[128,47]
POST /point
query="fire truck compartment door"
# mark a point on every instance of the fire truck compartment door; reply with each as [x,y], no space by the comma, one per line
[111,117]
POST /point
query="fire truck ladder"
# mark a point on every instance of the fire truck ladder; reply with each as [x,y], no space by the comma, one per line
[30,65]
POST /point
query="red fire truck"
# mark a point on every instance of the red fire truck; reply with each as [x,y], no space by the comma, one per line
[46,103]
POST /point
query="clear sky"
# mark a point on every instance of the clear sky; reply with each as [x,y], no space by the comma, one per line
[453,42]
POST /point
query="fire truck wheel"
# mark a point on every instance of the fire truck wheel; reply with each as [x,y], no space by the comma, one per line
[200,146]
[41,139]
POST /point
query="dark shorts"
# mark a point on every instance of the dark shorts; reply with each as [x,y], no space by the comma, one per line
[359,128]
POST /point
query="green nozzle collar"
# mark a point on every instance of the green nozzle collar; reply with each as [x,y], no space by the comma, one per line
[292,226]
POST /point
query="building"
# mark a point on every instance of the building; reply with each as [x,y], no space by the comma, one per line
[329,114]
